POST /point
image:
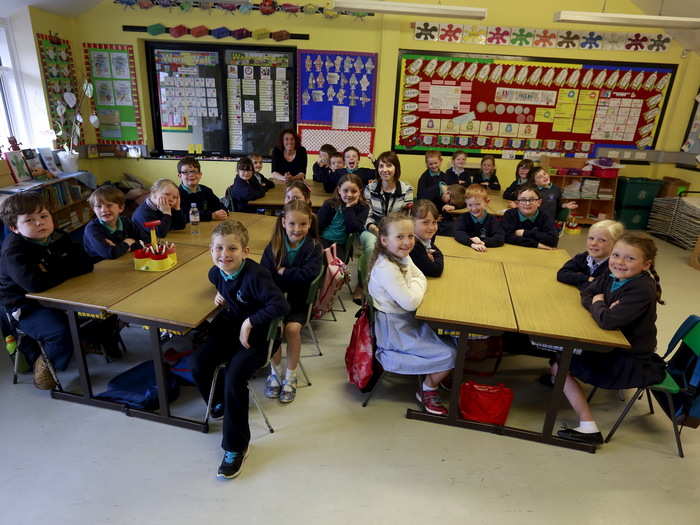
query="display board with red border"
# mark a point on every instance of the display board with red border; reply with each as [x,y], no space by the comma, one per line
[519,106]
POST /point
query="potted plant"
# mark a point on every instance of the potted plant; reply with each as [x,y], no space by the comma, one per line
[68,124]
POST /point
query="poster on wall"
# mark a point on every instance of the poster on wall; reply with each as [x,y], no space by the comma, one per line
[331,80]
[523,106]
[115,101]
[691,142]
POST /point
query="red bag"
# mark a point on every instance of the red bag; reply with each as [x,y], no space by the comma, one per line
[360,352]
[485,403]
[333,280]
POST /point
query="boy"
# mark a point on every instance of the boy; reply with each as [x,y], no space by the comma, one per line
[191,191]
[526,225]
[108,235]
[245,188]
[477,228]
[429,181]
[458,173]
[35,257]
[321,167]
[337,170]
[453,198]
[237,336]
[266,183]
[551,196]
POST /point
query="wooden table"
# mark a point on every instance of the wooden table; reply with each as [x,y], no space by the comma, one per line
[274,198]
[203,238]
[508,253]
[260,233]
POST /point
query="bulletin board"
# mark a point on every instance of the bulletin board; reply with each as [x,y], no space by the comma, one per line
[334,78]
[691,142]
[516,106]
[115,100]
[220,100]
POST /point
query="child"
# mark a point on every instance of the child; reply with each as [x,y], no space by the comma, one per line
[298,190]
[454,198]
[337,170]
[487,175]
[478,229]
[266,183]
[192,192]
[245,188]
[457,173]
[527,225]
[294,260]
[321,168]
[623,299]
[551,195]
[429,181]
[108,235]
[237,336]
[35,257]
[425,255]
[522,177]
[404,344]
[587,266]
[351,156]
[345,213]
[163,204]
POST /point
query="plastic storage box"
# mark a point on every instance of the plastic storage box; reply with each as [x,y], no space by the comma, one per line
[634,218]
[637,191]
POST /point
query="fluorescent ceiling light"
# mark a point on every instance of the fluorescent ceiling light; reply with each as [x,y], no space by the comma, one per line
[621,19]
[401,8]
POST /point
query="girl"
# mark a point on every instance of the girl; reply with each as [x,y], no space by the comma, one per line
[245,188]
[623,299]
[586,266]
[487,176]
[425,255]
[527,225]
[298,190]
[163,204]
[351,156]
[522,177]
[404,344]
[457,173]
[293,258]
[345,213]
[289,158]
[551,195]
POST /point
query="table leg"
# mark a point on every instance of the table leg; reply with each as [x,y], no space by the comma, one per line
[458,375]
[558,390]
[79,355]
[164,408]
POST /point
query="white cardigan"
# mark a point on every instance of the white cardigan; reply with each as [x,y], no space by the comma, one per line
[394,292]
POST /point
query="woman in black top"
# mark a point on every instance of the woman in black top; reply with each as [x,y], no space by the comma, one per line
[289,158]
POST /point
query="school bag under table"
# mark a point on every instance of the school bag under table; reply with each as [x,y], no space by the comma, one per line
[137,387]
[335,275]
[359,355]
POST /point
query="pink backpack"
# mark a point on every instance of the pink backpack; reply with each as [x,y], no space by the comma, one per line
[336,272]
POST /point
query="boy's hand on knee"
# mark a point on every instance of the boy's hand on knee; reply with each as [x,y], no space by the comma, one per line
[219,299]
[246,328]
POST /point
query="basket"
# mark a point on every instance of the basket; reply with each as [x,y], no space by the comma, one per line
[145,261]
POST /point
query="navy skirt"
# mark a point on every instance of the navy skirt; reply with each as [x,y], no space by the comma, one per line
[618,369]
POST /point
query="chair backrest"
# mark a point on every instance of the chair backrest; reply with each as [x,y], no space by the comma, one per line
[692,339]
[272,337]
[314,290]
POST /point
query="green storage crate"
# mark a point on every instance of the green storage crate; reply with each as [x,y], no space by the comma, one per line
[634,218]
[637,191]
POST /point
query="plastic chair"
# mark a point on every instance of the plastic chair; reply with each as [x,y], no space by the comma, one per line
[314,289]
[271,339]
[668,387]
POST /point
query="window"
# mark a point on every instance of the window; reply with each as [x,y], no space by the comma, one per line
[11,114]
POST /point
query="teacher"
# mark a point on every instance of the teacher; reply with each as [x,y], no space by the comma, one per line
[289,158]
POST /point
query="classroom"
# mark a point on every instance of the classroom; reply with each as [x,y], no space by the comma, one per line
[437,256]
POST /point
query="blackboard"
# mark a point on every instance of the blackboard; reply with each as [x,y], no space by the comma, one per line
[220,100]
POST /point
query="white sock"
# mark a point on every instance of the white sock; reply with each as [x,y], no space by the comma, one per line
[275,370]
[587,427]
[291,374]
[428,388]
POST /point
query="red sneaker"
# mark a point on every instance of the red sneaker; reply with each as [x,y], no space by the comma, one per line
[430,402]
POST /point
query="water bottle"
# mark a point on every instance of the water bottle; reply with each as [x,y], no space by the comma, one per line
[10,344]
[194,219]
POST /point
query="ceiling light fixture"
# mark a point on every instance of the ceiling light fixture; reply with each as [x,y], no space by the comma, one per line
[621,19]
[402,8]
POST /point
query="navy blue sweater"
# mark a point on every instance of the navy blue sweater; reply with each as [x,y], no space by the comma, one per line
[27,267]
[207,203]
[266,183]
[298,275]
[490,231]
[429,188]
[330,181]
[146,213]
[95,239]
[492,180]
[320,173]
[551,201]
[241,192]
[542,230]
[576,271]
[354,216]
[419,256]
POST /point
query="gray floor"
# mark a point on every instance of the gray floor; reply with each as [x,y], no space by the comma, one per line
[332,461]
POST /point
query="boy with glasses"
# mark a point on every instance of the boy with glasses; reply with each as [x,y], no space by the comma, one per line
[527,225]
[191,191]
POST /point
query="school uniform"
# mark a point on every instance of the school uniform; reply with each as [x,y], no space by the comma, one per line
[330,182]
[250,294]
[147,212]
[365,174]
[492,181]
[266,183]
[97,234]
[488,229]
[579,268]
[301,266]
[538,229]
[419,256]
[335,223]
[320,173]
[453,177]
[551,200]
[405,345]
[635,316]
[240,193]
[28,266]
[207,203]
[511,193]
[382,203]
[429,187]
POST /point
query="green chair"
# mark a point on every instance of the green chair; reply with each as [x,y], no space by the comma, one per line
[668,387]
[314,290]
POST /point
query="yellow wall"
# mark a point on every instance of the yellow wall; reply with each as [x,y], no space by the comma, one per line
[382,34]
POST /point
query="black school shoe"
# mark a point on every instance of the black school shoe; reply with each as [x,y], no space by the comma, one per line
[596,438]
[217,411]
[232,464]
